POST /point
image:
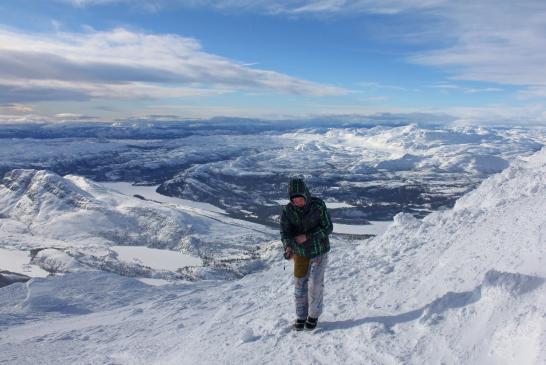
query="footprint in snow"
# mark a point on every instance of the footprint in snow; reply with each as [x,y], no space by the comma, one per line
[387,269]
[249,336]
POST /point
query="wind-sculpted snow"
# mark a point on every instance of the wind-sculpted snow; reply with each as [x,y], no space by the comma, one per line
[462,286]
[499,225]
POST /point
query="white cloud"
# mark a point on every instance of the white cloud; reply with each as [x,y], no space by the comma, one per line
[370,85]
[83,3]
[535,92]
[62,90]
[16,109]
[494,41]
[360,6]
[280,6]
[468,90]
[124,64]
[445,86]
[497,115]
[483,90]
[498,41]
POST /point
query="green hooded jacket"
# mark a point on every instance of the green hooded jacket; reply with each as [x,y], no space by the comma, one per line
[313,220]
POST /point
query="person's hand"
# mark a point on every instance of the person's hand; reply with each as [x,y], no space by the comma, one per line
[288,253]
[301,239]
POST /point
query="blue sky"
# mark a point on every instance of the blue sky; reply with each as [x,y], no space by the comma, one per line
[117,59]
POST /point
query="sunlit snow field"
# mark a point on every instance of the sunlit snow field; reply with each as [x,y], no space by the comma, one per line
[186,266]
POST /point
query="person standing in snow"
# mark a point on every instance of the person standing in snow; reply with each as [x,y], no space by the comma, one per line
[305,226]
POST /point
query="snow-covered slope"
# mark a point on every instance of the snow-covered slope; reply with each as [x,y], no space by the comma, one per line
[73,222]
[463,286]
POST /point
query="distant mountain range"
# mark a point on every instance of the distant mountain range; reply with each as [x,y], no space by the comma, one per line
[243,165]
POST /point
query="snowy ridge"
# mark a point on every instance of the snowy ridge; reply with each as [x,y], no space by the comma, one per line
[498,226]
[465,285]
[26,192]
[71,223]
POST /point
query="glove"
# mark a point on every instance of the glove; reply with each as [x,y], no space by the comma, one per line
[287,253]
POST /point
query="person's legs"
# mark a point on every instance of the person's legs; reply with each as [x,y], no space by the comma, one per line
[301,279]
[300,294]
[316,285]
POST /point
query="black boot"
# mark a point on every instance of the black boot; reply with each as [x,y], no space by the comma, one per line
[299,324]
[311,323]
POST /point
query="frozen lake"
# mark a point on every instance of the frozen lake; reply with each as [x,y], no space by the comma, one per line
[149,192]
[155,258]
[376,228]
[19,262]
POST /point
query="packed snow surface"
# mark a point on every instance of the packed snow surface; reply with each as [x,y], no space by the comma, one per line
[462,286]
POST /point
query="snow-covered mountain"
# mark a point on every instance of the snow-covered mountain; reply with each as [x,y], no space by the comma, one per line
[377,171]
[462,286]
[71,221]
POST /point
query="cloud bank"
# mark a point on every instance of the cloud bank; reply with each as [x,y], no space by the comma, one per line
[497,41]
[125,64]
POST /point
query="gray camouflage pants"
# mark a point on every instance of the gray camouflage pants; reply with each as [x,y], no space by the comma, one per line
[309,289]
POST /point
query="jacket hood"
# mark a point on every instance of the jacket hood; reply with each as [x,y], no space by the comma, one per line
[298,187]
